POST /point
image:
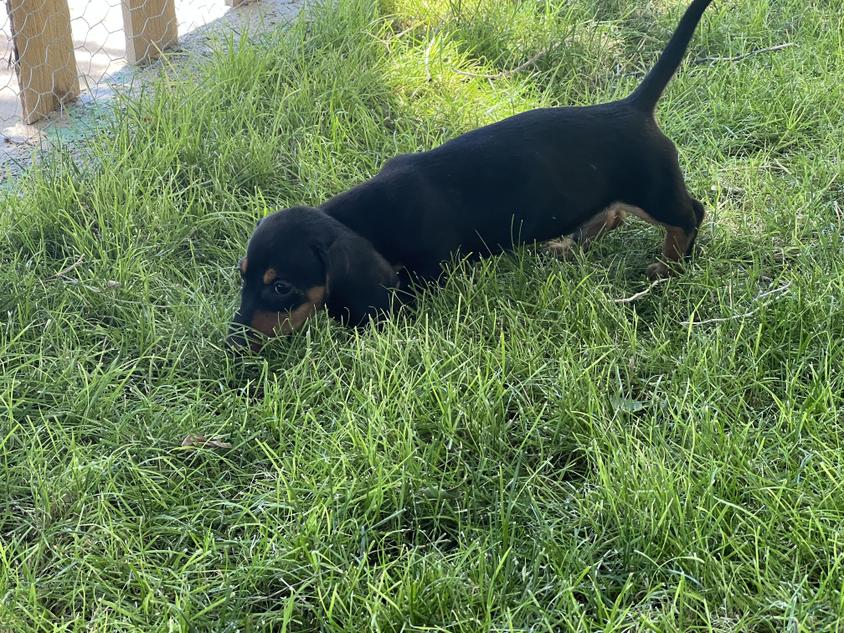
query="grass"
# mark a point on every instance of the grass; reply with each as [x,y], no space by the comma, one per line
[520,453]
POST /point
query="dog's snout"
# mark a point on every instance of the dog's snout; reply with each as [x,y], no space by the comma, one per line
[241,335]
[236,340]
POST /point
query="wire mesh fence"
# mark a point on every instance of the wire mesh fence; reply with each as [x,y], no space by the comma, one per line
[62,52]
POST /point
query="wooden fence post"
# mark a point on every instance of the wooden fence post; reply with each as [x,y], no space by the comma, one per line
[150,27]
[44,60]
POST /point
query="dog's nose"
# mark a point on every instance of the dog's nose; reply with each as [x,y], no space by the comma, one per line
[237,343]
[240,336]
[236,340]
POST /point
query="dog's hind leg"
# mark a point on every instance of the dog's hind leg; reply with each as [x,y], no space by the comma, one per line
[681,215]
[610,218]
[607,220]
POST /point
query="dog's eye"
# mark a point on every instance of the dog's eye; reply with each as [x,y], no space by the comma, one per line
[282,288]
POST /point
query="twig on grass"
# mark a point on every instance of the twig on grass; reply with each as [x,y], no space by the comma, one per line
[203,441]
[738,58]
[776,291]
[641,294]
[715,60]
[512,71]
[70,268]
[427,58]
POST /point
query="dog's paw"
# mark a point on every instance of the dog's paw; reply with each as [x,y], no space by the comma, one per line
[562,248]
[658,270]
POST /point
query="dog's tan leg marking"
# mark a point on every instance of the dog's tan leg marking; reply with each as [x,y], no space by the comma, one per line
[610,218]
[644,215]
[674,247]
[561,247]
[607,220]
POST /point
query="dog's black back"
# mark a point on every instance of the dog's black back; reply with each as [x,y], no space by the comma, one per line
[532,177]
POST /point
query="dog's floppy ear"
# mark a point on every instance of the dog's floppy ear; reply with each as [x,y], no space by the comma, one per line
[358,280]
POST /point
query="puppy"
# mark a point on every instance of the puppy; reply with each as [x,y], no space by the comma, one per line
[533,177]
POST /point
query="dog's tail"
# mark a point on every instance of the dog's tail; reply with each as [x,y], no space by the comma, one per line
[645,97]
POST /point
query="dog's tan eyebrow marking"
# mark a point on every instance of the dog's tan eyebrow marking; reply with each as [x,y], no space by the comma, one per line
[270,276]
[243,265]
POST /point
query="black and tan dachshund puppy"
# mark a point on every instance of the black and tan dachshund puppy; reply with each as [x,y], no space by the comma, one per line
[533,177]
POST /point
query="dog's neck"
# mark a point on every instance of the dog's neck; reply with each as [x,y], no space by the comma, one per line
[356,208]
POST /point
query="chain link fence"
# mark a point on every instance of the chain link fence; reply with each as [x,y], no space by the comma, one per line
[58,54]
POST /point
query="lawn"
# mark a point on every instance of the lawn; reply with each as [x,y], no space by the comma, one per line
[532,448]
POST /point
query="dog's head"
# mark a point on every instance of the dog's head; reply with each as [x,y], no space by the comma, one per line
[299,261]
